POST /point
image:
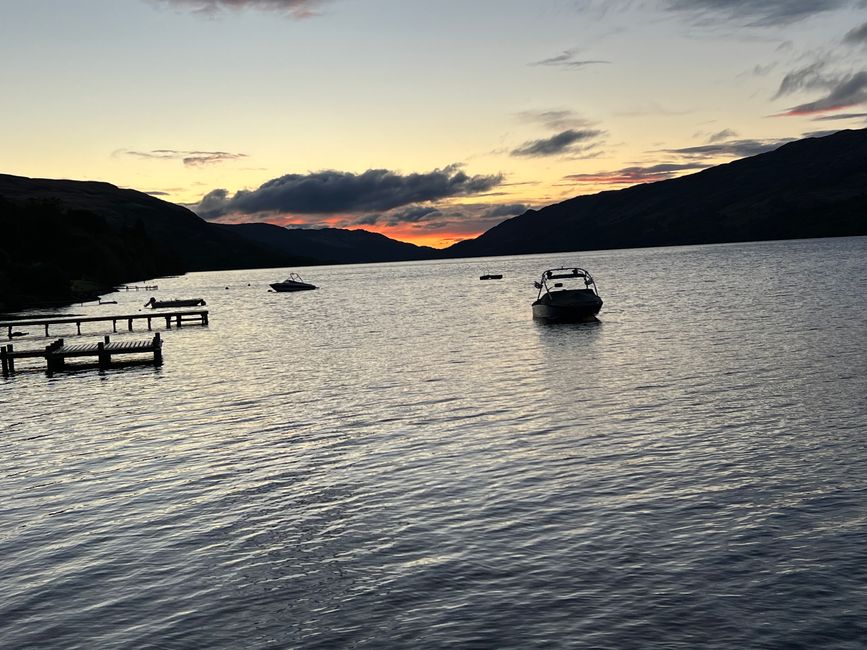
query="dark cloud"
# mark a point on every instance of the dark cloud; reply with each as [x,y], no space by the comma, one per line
[189,158]
[296,8]
[157,193]
[330,192]
[732,148]
[857,36]
[757,12]
[635,175]
[845,92]
[465,219]
[411,214]
[568,59]
[569,141]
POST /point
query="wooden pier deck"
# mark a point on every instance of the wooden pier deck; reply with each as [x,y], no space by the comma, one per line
[56,354]
[179,318]
[136,287]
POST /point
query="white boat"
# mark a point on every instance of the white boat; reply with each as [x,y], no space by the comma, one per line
[292,283]
[566,294]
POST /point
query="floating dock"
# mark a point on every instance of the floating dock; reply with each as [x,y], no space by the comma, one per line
[179,318]
[56,354]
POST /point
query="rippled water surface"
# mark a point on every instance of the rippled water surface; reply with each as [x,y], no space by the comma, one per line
[404,458]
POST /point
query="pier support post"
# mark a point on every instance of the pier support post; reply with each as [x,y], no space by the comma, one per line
[102,355]
[129,324]
[77,325]
[54,361]
[158,349]
[3,361]
[46,331]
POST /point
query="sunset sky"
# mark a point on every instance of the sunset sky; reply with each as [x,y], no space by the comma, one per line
[427,121]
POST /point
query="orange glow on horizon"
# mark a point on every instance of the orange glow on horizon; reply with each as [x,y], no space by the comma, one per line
[404,233]
[433,238]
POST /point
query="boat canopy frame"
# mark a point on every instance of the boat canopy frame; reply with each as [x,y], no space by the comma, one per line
[565,273]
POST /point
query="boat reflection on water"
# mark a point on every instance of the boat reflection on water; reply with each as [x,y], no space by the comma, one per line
[566,295]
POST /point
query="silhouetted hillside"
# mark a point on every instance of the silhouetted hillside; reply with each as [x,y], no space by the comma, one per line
[815,187]
[199,245]
[332,245]
[60,237]
[51,254]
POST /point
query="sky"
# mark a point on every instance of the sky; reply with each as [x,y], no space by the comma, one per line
[429,122]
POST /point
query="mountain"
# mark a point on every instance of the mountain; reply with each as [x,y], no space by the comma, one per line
[64,241]
[816,187]
[195,243]
[332,245]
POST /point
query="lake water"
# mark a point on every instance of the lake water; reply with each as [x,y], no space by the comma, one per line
[404,458]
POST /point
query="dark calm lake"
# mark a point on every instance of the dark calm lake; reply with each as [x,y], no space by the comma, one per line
[404,458]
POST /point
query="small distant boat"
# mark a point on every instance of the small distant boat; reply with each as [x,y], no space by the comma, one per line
[292,283]
[576,300]
[162,304]
[491,276]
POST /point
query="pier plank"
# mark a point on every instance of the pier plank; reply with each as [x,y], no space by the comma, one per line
[56,353]
[180,317]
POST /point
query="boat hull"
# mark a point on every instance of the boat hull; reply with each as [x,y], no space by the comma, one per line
[173,304]
[567,306]
[285,288]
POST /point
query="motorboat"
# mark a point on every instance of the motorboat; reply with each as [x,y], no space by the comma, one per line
[153,303]
[491,276]
[566,294]
[292,283]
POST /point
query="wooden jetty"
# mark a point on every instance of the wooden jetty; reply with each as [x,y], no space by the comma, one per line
[179,318]
[56,354]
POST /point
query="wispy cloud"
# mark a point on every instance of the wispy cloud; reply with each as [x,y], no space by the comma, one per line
[841,93]
[295,8]
[730,149]
[559,119]
[571,141]
[841,116]
[334,192]
[635,175]
[569,59]
[189,158]
[756,12]
[725,134]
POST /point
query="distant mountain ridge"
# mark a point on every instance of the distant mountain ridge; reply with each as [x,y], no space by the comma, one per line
[332,245]
[816,187]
